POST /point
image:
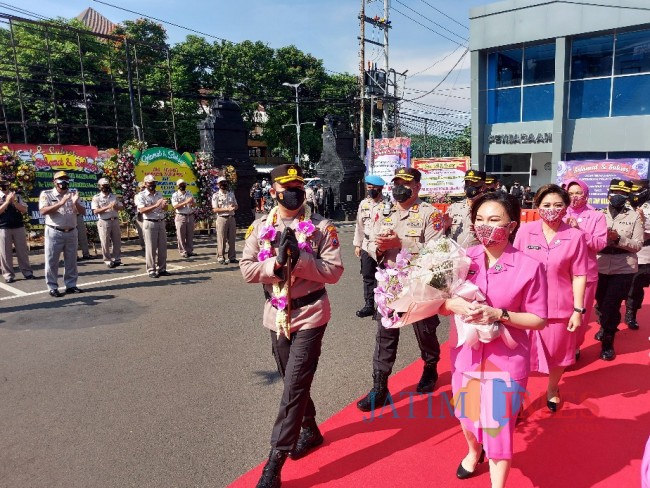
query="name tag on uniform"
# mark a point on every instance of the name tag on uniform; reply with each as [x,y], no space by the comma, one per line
[415,224]
[536,248]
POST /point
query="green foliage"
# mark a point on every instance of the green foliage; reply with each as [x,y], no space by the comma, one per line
[439,146]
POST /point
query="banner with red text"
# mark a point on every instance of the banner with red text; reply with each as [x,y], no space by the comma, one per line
[441,176]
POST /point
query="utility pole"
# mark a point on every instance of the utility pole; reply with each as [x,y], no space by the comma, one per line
[362,80]
[371,136]
[384,117]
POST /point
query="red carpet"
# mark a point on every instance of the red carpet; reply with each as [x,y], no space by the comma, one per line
[596,439]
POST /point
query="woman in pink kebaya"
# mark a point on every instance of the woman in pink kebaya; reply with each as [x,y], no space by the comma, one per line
[593,224]
[562,250]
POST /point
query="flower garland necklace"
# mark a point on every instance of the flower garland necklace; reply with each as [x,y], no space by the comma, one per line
[267,235]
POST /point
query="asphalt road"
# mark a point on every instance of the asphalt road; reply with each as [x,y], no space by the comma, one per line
[163,382]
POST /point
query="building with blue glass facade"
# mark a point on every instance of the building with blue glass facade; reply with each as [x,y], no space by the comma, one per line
[557,81]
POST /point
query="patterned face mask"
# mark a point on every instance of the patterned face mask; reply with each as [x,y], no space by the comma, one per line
[552,214]
[491,235]
[578,201]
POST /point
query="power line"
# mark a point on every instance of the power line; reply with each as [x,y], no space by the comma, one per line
[445,77]
[426,27]
[441,12]
[433,22]
[437,62]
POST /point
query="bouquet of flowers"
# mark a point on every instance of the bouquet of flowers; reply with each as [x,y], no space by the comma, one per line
[206,177]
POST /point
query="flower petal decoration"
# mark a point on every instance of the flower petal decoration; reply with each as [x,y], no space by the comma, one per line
[279,302]
[267,233]
[264,254]
[305,227]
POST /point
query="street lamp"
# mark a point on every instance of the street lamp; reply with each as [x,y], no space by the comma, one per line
[297,124]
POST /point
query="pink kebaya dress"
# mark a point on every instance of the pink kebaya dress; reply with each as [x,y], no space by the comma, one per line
[563,258]
[489,379]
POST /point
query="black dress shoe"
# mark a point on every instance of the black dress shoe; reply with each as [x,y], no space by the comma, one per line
[234,261]
[73,289]
[428,380]
[607,354]
[118,263]
[153,274]
[310,437]
[10,280]
[56,293]
[30,277]
[463,474]
[111,265]
[633,325]
[366,311]
[164,273]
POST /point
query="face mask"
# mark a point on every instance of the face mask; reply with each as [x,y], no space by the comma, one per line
[551,215]
[151,187]
[617,201]
[472,191]
[291,198]
[402,193]
[181,187]
[491,235]
[105,189]
[63,184]
[374,193]
[578,201]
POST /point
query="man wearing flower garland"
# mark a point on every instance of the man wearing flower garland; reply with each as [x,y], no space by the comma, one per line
[12,231]
[289,235]
[410,223]
[367,209]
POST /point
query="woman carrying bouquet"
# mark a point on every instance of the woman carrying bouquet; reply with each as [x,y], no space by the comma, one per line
[563,251]
[516,300]
[593,224]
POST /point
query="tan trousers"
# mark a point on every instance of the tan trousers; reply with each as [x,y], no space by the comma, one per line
[155,245]
[185,233]
[18,238]
[226,234]
[109,233]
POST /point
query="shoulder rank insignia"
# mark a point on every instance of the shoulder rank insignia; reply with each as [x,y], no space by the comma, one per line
[249,231]
[415,208]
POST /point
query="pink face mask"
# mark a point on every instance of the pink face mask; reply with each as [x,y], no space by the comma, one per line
[552,214]
[578,201]
[491,235]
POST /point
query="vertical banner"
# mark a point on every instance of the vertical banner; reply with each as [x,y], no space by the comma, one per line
[598,174]
[167,166]
[80,162]
[441,176]
[387,155]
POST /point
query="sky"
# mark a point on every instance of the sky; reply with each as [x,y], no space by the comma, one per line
[328,30]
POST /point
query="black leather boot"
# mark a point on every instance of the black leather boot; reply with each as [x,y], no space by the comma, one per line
[599,334]
[368,309]
[607,352]
[378,395]
[271,472]
[630,319]
[310,437]
[428,379]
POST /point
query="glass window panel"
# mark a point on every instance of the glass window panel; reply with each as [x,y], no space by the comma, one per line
[504,105]
[504,68]
[585,156]
[501,164]
[631,96]
[629,155]
[538,102]
[632,53]
[592,57]
[539,64]
[589,98]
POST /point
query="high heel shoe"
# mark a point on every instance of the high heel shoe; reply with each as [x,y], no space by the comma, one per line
[462,473]
[552,406]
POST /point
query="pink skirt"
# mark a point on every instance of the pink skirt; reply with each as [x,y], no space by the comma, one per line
[552,347]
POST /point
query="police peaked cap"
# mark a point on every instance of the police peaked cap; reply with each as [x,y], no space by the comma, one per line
[638,185]
[620,185]
[490,179]
[407,174]
[375,180]
[475,176]
[287,172]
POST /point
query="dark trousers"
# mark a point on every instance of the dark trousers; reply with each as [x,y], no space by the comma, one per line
[610,293]
[368,270]
[388,339]
[639,282]
[297,359]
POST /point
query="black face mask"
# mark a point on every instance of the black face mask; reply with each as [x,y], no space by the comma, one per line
[373,193]
[472,191]
[617,201]
[181,187]
[291,198]
[223,187]
[105,189]
[63,184]
[402,193]
[151,187]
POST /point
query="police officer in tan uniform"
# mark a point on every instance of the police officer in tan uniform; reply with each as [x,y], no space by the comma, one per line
[367,208]
[106,205]
[409,224]
[224,205]
[183,203]
[152,205]
[490,183]
[271,242]
[60,208]
[12,233]
[458,214]
[639,201]
[617,262]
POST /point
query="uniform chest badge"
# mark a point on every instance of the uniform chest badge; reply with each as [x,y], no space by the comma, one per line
[249,231]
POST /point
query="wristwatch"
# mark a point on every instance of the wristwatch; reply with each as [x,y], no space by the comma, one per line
[580,310]
[504,315]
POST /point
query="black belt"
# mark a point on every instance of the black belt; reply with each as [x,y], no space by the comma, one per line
[60,229]
[302,301]
[613,250]
[112,218]
[225,216]
[153,220]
